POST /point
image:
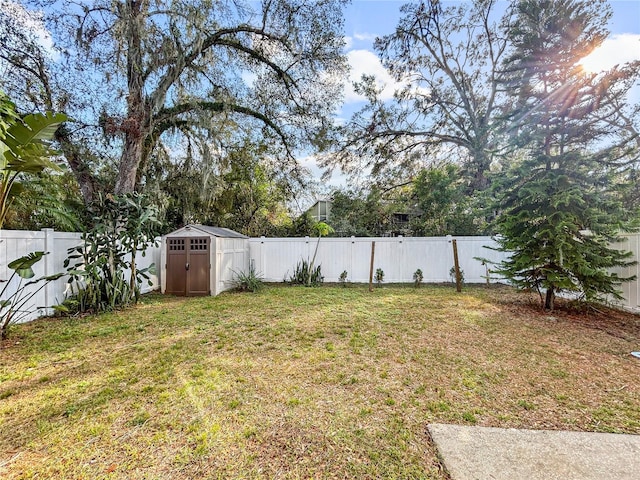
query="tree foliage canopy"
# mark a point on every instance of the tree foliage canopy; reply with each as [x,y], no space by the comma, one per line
[484,90]
[139,76]
[448,59]
[24,149]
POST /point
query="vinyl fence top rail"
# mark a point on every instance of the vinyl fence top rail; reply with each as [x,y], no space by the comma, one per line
[372,239]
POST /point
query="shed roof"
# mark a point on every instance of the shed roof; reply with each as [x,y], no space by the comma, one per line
[191,230]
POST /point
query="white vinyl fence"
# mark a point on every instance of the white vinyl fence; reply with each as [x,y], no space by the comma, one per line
[18,243]
[630,290]
[399,257]
[275,259]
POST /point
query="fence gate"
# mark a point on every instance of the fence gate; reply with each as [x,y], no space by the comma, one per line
[188,266]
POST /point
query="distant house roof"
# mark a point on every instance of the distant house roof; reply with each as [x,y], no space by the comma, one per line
[320,210]
[195,230]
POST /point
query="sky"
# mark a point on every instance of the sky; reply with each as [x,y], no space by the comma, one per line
[367,19]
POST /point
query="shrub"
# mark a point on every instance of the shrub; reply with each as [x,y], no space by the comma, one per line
[102,270]
[303,275]
[417,278]
[379,277]
[343,278]
[250,281]
[452,275]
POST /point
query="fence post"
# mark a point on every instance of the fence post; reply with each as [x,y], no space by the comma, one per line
[456,265]
[373,254]
[351,255]
[49,267]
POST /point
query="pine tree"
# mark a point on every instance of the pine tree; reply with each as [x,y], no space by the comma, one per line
[561,208]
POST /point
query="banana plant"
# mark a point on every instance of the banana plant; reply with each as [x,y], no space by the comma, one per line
[24,148]
[15,302]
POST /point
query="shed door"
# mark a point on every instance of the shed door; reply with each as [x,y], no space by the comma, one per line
[188,266]
[198,266]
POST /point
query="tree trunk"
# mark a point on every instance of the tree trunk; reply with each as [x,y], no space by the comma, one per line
[550,298]
[129,163]
[74,156]
[136,125]
[480,165]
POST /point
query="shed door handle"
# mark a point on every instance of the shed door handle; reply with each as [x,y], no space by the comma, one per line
[186,266]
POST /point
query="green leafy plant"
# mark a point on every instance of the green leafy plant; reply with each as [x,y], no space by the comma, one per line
[103,271]
[562,204]
[417,278]
[306,272]
[68,307]
[24,148]
[452,275]
[16,306]
[304,275]
[379,276]
[250,281]
[342,279]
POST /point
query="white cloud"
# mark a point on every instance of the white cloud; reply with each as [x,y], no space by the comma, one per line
[248,77]
[336,178]
[32,22]
[615,50]
[365,37]
[339,121]
[348,43]
[363,40]
[366,62]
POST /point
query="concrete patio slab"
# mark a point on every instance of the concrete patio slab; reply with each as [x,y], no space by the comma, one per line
[483,453]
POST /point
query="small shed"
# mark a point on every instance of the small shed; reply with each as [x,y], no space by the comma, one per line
[202,260]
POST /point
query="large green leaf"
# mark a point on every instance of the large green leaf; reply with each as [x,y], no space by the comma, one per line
[36,127]
[47,278]
[24,146]
[23,265]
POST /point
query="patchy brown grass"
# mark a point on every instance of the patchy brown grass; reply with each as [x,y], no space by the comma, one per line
[303,383]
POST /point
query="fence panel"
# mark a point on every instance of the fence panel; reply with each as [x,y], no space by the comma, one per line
[276,258]
[399,257]
[470,249]
[630,290]
[17,243]
[14,245]
[58,247]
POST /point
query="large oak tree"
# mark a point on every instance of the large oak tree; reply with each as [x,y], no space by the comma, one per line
[143,76]
[448,58]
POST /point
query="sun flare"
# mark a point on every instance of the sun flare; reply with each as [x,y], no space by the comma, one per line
[616,50]
[595,62]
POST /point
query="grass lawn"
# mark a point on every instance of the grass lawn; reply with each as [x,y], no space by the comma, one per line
[303,382]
